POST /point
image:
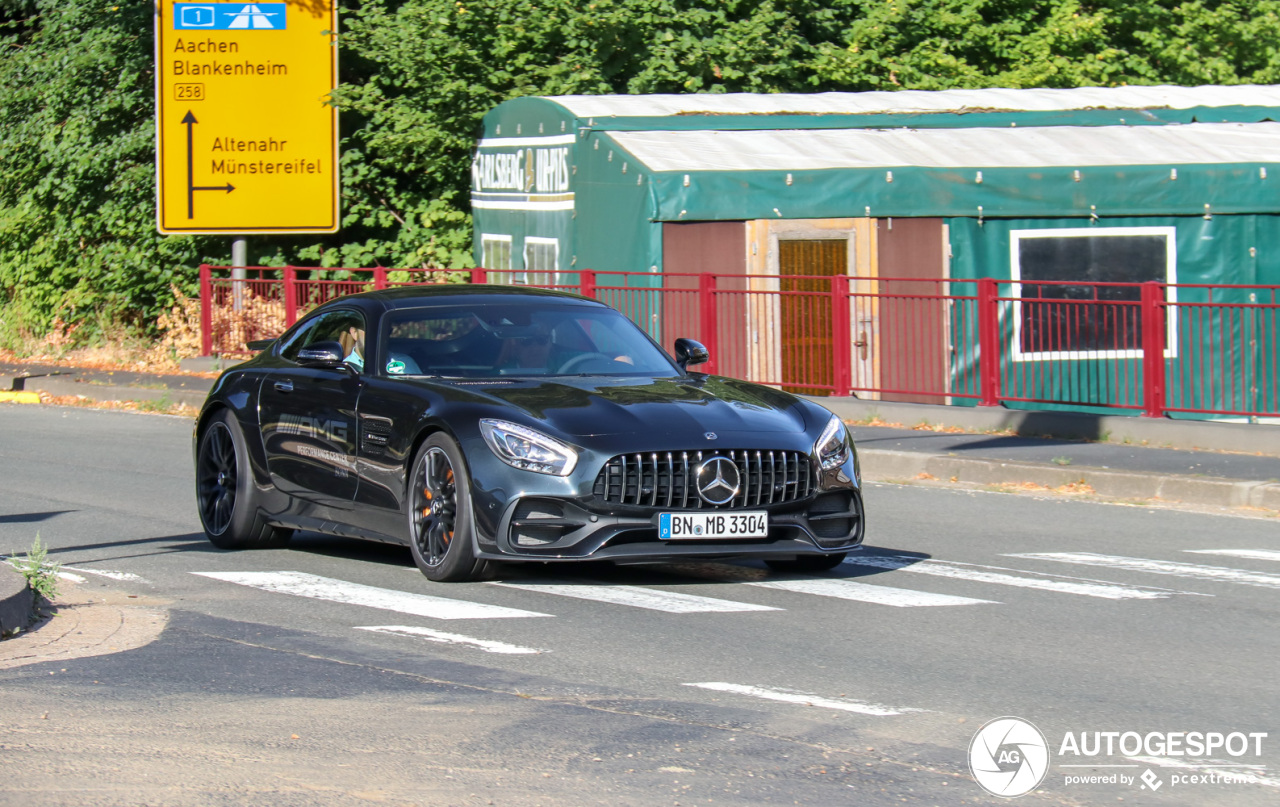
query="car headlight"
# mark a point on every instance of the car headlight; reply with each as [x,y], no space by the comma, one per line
[832,447]
[527,449]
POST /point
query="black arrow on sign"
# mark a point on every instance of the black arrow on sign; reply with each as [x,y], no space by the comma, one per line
[190,120]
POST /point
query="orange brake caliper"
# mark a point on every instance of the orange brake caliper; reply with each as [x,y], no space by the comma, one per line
[449,480]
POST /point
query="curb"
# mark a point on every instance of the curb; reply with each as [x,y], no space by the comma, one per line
[54,385]
[16,599]
[897,466]
[19,397]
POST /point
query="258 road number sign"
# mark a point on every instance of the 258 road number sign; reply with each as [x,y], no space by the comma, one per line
[247,139]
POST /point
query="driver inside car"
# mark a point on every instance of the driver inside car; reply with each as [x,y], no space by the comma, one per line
[352,341]
[525,352]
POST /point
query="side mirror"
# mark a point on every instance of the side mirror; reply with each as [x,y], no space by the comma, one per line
[321,354]
[690,352]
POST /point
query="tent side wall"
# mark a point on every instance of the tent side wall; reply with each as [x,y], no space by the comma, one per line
[523,193]
[616,227]
[1071,350]
[1081,195]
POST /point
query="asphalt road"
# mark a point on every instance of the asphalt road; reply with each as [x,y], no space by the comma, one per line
[689,684]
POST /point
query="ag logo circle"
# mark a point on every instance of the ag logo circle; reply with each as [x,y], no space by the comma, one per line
[1008,757]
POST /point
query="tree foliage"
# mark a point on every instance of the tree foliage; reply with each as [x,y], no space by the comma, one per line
[77,178]
[427,71]
[77,175]
[944,44]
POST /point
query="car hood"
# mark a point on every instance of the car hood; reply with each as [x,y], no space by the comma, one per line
[667,407]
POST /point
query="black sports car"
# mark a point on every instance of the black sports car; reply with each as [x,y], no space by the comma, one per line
[498,423]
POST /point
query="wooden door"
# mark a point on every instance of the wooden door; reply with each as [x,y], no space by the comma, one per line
[807,355]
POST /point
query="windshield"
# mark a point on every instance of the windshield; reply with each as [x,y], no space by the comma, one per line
[531,339]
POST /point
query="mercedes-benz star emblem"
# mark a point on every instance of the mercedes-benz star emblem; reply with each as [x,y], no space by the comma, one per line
[718,480]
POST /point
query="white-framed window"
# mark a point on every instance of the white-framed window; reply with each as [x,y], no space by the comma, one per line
[541,261]
[1080,316]
[495,255]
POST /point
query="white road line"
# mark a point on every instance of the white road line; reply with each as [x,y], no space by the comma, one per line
[862,592]
[803,699]
[1255,774]
[1250,554]
[453,638]
[1221,574]
[655,600]
[71,578]
[405,602]
[979,574]
[124,577]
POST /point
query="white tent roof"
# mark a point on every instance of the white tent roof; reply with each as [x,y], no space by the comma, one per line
[1029,147]
[908,101]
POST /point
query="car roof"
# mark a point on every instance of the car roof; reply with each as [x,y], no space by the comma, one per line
[458,293]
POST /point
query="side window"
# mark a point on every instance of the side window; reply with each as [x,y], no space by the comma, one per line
[495,255]
[541,261]
[1090,309]
[347,328]
[297,341]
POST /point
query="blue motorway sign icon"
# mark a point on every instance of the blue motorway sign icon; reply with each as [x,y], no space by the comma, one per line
[229,17]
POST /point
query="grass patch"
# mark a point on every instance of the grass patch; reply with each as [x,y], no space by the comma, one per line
[40,572]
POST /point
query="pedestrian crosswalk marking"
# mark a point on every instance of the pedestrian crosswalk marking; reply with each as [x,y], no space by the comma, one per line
[998,576]
[1248,554]
[452,638]
[804,699]
[1220,574]
[123,577]
[671,602]
[405,602]
[863,592]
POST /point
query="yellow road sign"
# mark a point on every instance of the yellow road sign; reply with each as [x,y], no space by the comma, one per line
[247,141]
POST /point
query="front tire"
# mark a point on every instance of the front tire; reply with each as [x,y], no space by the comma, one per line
[807,563]
[441,522]
[225,492]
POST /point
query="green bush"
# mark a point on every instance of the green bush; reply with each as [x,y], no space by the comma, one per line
[77,133]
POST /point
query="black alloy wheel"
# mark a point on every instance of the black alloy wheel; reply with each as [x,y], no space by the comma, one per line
[435,506]
[440,519]
[226,495]
[216,479]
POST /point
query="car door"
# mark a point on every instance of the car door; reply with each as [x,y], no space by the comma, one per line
[308,414]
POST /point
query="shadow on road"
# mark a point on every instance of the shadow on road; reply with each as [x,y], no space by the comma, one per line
[159,545]
[351,548]
[29,518]
[704,571]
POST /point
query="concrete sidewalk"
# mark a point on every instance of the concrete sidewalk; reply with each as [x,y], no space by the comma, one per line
[1112,457]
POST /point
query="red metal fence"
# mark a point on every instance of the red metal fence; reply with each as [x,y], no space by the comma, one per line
[1152,347]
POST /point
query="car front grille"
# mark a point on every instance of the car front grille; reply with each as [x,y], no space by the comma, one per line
[668,479]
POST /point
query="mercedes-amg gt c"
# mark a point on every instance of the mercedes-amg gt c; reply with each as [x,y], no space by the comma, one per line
[494,423]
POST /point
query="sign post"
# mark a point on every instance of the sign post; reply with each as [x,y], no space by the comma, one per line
[247,138]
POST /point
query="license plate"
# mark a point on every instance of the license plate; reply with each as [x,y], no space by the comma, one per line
[677,526]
